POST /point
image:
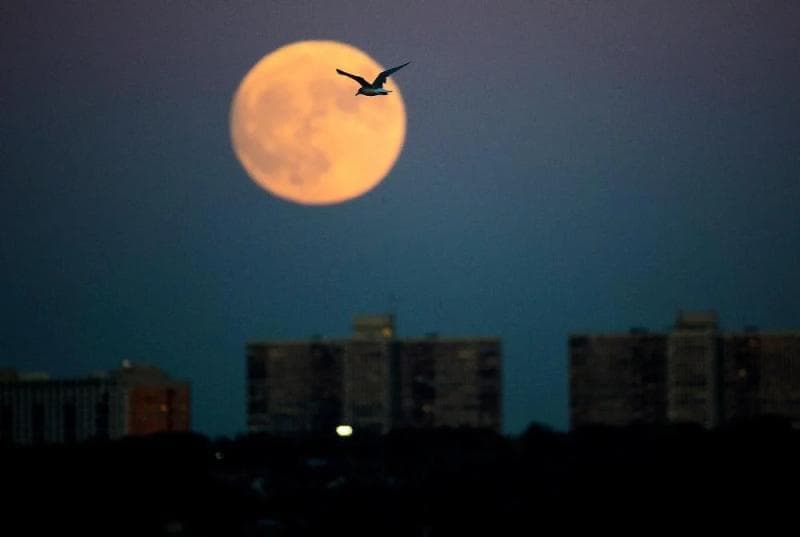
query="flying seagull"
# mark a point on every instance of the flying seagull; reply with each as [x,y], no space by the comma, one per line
[376,88]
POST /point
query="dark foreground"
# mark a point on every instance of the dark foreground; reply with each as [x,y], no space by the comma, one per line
[409,483]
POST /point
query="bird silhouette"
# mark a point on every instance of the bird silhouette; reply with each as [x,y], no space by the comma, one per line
[376,87]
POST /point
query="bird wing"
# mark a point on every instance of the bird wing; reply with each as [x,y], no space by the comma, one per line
[357,78]
[381,78]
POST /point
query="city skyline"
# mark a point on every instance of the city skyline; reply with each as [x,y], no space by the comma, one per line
[590,166]
[615,394]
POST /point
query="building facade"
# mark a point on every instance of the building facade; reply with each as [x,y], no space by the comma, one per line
[134,400]
[761,374]
[449,382]
[617,379]
[373,382]
[693,370]
[693,373]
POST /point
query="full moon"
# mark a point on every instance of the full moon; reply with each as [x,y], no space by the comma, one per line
[300,131]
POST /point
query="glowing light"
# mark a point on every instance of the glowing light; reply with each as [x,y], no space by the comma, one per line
[344,430]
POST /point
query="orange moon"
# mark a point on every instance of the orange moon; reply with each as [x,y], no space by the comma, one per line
[301,133]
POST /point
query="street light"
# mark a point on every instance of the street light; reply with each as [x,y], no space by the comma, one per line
[344,430]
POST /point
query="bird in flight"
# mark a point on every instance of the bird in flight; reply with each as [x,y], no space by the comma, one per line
[376,88]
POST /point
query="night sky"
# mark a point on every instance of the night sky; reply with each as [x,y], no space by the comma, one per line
[568,166]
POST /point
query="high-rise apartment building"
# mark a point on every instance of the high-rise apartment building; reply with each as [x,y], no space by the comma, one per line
[373,381]
[693,373]
[134,400]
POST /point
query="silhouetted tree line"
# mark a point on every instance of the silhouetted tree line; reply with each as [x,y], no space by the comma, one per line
[408,482]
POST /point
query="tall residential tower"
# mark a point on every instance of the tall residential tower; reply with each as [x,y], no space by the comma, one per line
[693,373]
[373,381]
[133,400]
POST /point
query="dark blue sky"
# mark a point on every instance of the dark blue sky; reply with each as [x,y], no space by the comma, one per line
[569,166]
